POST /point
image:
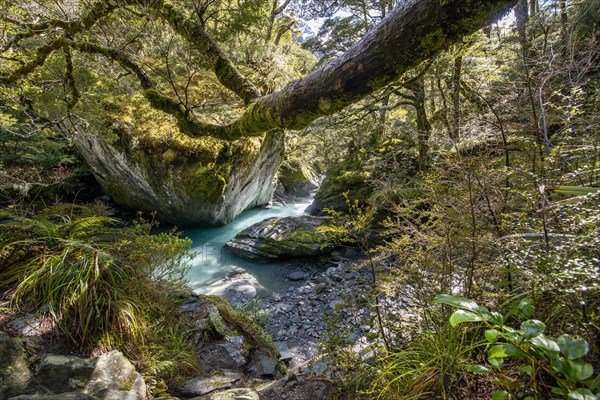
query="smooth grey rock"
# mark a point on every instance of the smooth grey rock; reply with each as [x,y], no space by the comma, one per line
[62,396]
[110,376]
[30,325]
[276,238]
[234,348]
[204,385]
[284,351]
[266,366]
[232,394]
[214,357]
[297,276]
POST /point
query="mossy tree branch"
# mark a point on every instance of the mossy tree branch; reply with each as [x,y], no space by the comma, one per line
[41,55]
[70,80]
[195,34]
[97,11]
[185,118]
[414,31]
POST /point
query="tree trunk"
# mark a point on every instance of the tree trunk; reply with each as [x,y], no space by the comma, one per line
[533,8]
[379,131]
[415,31]
[423,125]
[456,73]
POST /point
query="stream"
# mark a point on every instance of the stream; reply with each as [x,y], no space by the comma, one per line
[212,265]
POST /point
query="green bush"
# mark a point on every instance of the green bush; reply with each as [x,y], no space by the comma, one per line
[549,368]
[98,279]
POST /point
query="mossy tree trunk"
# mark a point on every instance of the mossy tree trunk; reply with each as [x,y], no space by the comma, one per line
[412,32]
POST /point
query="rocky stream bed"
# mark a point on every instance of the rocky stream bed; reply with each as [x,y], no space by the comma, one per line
[318,298]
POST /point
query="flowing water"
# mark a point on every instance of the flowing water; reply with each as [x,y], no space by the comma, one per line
[212,263]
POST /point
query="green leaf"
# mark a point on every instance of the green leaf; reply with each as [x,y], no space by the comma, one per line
[460,316]
[487,315]
[501,351]
[560,365]
[523,307]
[492,335]
[532,328]
[576,190]
[456,301]
[543,342]
[478,369]
[497,318]
[572,347]
[581,394]
[560,391]
[579,370]
[500,395]
[496,362]
[527,369]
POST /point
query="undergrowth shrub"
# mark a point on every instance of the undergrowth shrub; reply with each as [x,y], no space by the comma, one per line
[104,283]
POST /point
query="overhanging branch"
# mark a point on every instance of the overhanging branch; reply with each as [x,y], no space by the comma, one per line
[185,119]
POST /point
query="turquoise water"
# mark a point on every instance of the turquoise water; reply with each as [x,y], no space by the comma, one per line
[212,263]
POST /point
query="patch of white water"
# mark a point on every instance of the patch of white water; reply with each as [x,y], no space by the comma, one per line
[212,264]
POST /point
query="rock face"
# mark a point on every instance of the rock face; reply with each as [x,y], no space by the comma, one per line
[108,377]
[205,385]
[233,394]
[296,182]
[203,189]
[15,375]
[360,176]
[276,238]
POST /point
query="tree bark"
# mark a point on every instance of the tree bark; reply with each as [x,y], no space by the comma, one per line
[423,125]
[456,74]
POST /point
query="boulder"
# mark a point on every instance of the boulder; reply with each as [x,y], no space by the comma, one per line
[229,354]
[201,386]
[284,351]
[277,238]
[110,376]
[297,276]
[62,396]
[231,394]
[30,325]
[185,181]
[15,375]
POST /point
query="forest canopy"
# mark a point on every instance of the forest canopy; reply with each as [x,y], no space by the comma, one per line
[163,51]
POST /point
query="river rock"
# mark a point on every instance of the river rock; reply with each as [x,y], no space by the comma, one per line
[62,396]
[204,385]
[284,350]
[264,366]
[110,376]
[277,238]
[30,325]
[297,276]
[231,394]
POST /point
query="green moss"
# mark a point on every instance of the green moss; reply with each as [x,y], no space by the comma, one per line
[258,339]
[206,182]
[144,128]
